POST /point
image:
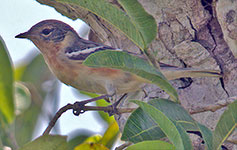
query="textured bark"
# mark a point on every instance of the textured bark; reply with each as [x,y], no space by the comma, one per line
[191,33]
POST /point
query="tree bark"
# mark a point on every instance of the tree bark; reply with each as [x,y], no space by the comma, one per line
[191,33]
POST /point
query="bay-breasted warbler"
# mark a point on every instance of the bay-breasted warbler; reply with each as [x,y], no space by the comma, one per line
[64,52]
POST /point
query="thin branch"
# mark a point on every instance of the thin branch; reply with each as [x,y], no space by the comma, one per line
[108,109]
[56,117]
[121,147]
[79,108]
[232,141]
[213,107]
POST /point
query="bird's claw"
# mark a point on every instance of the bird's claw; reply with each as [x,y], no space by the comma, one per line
[112,110]
[78,108]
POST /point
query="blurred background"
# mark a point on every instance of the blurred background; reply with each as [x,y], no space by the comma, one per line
[47,94]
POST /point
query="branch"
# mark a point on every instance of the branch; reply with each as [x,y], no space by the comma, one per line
[232,141]
[108,109]
[56,117]
[213,107]
[79,108]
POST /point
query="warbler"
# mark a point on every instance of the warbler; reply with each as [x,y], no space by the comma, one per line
[64,51]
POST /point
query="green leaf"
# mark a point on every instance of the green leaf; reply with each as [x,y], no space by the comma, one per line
[149,145]
[34,80]
[50,142]
[175,112]
[140,126]
[6,85]
[105,116]
[25,124]
[18,72]
[225,126]
[22,97]
[33,76]
[132,64]
[78,137]
[144,22]
[92,95]
[134,28]
[175,133]
[93,139]
[207,136]
[110,135]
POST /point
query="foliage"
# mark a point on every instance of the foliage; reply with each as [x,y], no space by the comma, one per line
[21,97]
[52,142]
[135,65]
[135,23]
[6,86]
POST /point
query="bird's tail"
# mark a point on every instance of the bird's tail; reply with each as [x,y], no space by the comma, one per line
[172,73]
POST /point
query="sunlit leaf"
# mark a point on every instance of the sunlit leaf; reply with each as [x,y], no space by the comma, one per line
[6,85]
[151,145]
[91,143]
[105,116]
[110,135]
[47,142]
[89,94]
[225,126]
[78,137]
[93,139]
[135,65]
[175,133]
[19,70]
[91,146]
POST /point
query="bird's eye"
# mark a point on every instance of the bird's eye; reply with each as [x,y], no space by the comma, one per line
[47,31]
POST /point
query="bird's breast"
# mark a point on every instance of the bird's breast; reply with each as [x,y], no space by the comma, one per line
[95,80]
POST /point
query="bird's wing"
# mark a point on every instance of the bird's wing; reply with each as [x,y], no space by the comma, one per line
[82,49]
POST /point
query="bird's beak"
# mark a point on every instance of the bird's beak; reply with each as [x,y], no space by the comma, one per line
[23,35]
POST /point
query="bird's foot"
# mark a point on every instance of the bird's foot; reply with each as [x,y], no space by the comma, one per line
[112,109]
[79,107]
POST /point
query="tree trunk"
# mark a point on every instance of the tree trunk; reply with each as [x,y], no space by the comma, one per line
[191,33]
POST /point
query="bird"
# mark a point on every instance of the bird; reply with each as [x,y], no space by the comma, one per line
[64,52]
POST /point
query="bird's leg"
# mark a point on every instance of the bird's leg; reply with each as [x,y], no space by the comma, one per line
[112,109]
[78,107]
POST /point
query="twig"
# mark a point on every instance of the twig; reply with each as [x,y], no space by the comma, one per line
[79,108]
[56,116]
[232,141]
[108,109]
[121,147]
[213,107]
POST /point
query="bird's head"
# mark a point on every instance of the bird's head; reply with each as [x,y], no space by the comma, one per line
[49,33]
